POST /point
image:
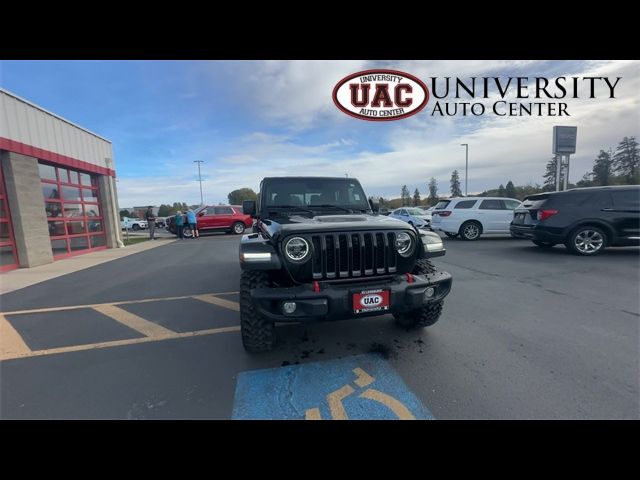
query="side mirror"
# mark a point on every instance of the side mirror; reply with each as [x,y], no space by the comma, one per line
[249,207]
[374,206]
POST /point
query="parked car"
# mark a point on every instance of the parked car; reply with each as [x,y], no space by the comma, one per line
[384,211]
[161,222]
[133,223]
[470,217]
[585,220]
[412,215]
[227,218]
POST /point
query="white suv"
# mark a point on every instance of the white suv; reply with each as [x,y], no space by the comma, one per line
[470,217]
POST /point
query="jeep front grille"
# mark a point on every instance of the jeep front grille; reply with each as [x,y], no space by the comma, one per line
[344,255]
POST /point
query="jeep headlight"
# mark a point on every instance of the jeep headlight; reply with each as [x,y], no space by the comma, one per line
[297,249]
[431,241]
[404,244]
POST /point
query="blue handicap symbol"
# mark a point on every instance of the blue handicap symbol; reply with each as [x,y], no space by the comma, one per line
[357,388]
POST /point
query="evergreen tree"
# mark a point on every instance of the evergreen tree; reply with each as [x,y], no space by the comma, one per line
[405,196]
[455,184]
[416,198]
[510,190]
[550,175]
[627,160]
[501,192]
[433,191]
[602,168]
[164,210]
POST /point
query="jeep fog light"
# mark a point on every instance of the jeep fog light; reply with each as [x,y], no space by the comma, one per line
[289,307]
[429,292]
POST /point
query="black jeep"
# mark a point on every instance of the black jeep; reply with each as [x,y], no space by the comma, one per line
[319,251]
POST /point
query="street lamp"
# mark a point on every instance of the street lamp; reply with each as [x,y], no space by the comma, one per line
[200,178]
[466,169]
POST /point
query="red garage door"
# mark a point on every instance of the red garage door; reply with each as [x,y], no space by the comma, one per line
[73,211]
[8,256]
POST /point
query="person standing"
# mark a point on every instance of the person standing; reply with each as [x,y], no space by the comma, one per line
[151,222]
[193,223]
[179,224]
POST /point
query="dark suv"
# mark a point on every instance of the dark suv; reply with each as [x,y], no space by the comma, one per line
[586,220]
[319,252]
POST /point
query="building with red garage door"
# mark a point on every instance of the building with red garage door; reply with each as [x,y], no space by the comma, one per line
[57,187]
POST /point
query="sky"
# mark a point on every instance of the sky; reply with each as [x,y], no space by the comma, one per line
[251,119]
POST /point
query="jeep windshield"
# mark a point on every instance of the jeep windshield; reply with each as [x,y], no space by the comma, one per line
[314,195]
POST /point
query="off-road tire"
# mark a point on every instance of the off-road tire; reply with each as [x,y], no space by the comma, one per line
[427,315]
[258,333]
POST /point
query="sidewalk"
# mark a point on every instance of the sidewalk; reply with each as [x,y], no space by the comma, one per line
[25,277]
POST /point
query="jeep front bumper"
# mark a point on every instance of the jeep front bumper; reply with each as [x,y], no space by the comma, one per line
[334,301]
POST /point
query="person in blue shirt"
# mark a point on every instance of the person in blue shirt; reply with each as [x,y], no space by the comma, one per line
[179,224]
[193,223]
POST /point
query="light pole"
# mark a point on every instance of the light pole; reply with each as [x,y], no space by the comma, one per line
[466,169]
[346,175]
[200,178]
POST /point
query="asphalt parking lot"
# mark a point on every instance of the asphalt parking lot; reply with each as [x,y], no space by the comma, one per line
[525,333]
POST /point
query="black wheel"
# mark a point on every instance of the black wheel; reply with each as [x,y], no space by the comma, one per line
[238,228]
[470,230]
[427,315]
[187,232]
[135,226]
[451,235]
[258,333]
[544,244]
[587,241]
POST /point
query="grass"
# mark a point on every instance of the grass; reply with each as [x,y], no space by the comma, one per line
[134,240]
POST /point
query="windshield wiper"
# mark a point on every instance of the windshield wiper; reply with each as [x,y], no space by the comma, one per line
[348,210]
[293,207]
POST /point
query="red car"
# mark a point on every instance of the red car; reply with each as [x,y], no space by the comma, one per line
[212,218]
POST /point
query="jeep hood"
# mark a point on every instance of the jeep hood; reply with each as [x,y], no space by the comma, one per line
[329,223]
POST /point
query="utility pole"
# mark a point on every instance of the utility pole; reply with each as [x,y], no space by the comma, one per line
[200,178]
[466,169]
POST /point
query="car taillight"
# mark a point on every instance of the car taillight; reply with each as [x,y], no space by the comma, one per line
[445,213]
[544,214]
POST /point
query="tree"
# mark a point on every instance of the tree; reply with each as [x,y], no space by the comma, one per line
[455,184]
[433,191]
[585,181]
[627,160]
[165,211]
[125,213]
[550,175]
[405,196]
[501,192]
[602,168]
[416,198]
[238,196]
[510,190]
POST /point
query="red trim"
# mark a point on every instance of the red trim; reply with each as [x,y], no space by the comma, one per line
[49,156]
[12,241]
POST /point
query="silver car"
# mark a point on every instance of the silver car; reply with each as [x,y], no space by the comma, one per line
[413,215]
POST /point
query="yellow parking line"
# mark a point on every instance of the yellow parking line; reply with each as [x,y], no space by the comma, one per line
[94,305]
[131,320]
[118,343]
[218,301]
[11,343]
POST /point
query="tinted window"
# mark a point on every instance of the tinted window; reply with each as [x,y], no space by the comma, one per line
[305,192]
[491,205]
[210,211]
[441,204]
[466,204]
[576,199]
[626,198]
[223,211]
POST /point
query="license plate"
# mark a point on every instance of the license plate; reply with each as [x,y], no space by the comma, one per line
[371,301]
